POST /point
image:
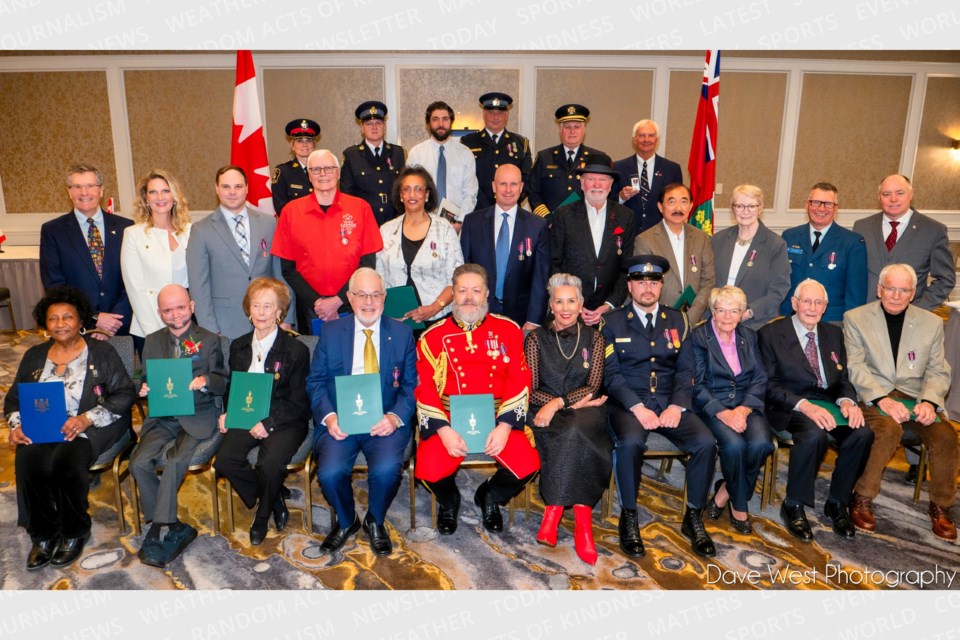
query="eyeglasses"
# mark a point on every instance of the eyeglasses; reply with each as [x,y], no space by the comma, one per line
[368,297]
[899,290]
[415,188]
[810,302]
[816,204]
[739,208]
[327,170]
[727,312]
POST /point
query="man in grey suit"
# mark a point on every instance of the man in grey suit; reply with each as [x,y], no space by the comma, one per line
[218,268]
[180,338]
[901,234]
[896,362]
[686,248]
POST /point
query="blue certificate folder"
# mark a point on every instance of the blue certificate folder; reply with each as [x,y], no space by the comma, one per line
[43,410]
[359,402]
[169,381]
[472,417]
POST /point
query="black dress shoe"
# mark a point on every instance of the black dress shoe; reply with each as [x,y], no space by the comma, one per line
[280,512]
[285,493]
[629,530]
[911,476]
[379,538]
[176,540]
[839,514]
[447,518]
[151,552]
[492,519]
[339,536]
[741,526]
[41,553]
[713,510]
[69,550]
[693,528]
[795,520]
[258,531]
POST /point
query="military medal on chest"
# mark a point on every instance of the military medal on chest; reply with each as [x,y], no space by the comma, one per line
[503,351]
[675,338]
[586,358]
[433,247]
[493,345]
[833,261]
[347,225]
[753,254]
[693,263]
[396,377]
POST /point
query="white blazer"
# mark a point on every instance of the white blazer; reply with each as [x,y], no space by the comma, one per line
[147,263]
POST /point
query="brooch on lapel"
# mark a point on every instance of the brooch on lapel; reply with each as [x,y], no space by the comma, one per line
[836,361]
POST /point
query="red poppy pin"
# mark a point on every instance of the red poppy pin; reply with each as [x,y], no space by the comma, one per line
[618,231]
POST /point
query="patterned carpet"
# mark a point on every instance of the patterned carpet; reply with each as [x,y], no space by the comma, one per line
[474,559]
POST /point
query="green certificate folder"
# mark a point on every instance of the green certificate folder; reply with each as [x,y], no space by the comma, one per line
[169,381]
[472,417]
[832,408]
[909,404]
[570,199]
[249,400]
[400,300]
[359,403]
[686,298]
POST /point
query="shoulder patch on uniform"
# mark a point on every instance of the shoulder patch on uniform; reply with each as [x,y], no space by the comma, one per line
[276,175]
[608,351]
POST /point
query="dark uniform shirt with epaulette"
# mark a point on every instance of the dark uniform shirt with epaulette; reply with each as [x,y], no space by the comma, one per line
[511,148]
[553,179]
[371,179]
[290,181]
[641,368]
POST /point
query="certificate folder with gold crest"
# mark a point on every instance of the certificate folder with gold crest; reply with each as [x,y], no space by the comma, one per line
[43,410]
[359,402]
[399,301]
[249,400]
[169,382]
[472,417]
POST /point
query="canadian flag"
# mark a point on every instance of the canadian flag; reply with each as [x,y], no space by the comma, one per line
[248,149]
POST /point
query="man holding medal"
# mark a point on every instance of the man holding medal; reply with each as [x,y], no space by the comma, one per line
[321,239]
[646,394]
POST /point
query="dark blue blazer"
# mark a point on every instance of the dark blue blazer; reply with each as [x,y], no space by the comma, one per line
[525,284]
[334,357]
[65,260]
[845,282]
[715,387]
[665,172]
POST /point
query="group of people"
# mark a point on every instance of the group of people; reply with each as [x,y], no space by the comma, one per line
[635,321]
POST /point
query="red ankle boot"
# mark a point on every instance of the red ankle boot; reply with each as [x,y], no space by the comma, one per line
[583,533]
[548,528]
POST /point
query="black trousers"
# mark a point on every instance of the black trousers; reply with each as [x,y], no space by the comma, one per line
[53,484]
[261,483]
[502,487]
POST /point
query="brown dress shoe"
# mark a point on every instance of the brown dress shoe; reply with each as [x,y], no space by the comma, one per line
[943,526]
[861,512]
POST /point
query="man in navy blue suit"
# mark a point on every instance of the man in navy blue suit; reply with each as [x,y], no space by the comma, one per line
[644,175]
[517,257]
[364,342]
[82,249]
[826,252]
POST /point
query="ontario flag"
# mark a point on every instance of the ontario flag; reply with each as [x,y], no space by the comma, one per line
[248,149]
[703,149]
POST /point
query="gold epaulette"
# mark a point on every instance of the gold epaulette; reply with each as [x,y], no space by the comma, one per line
[437,363]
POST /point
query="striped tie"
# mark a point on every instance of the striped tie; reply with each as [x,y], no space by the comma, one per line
[241,234]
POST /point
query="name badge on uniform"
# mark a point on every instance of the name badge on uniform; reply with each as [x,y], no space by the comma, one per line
[622,340]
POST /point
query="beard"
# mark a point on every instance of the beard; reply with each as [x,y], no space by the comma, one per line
[440,135]
[469,315]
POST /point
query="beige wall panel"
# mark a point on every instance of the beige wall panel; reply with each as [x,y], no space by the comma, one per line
[616,99]
[180,121]
[50,121]
[748,139]
[937,173]
[850,133]
[328,96]
[461,88]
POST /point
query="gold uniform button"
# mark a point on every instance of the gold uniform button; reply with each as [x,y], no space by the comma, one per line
[653,359]
[380,181]
[569,188]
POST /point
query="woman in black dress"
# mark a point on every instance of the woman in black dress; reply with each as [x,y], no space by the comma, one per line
[570,427]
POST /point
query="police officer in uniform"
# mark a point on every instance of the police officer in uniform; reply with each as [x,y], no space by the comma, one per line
[494,146]
[554,177]
[647,393]
[370,167]
[290,179]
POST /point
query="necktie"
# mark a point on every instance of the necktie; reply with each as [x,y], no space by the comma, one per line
[503,255]
[644,185]
[496,138]
[370,364]
[442,175]
[95,241]
[569,158]
[376,153]
[892,238]
[811,352]
[241,235]
[649,318]
[816,240]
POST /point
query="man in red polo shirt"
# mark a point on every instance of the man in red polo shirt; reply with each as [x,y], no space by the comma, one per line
[321,239]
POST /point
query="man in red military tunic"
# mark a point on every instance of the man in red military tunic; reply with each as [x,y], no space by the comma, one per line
[470,352]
